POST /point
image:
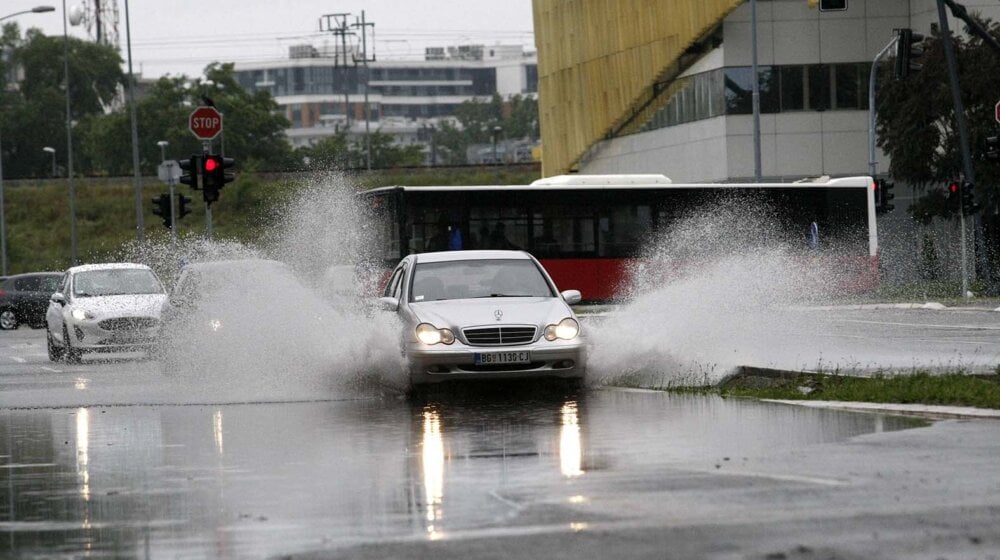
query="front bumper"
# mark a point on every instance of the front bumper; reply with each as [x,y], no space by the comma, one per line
[88,336]
[437,363]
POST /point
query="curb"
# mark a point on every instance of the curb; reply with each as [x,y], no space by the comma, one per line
[934,411]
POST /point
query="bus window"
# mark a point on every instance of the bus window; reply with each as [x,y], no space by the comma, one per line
[435,229]
[623,229]
[498,228]
[563,231]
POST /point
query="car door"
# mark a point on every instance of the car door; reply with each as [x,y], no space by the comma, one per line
[31,301]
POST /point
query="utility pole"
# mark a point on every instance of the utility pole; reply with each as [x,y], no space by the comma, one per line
[365,59]
[337,24]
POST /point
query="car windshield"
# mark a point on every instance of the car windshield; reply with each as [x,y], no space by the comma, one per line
[478,279]
[119,281]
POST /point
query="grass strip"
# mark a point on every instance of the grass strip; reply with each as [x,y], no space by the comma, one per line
[954,389]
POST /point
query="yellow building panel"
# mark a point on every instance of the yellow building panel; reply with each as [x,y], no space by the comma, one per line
[598,61]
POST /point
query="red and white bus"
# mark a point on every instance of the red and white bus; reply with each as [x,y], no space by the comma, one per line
[589,230]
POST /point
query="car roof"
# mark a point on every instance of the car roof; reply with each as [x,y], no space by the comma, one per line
[448,256]
[106,266]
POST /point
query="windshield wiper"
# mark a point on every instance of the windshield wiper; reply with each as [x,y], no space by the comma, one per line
[503,295]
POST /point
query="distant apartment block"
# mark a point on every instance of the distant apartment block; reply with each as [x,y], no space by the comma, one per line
[321,95]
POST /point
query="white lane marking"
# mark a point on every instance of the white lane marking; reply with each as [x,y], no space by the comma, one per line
[50,369]
[923,325]
[18,359]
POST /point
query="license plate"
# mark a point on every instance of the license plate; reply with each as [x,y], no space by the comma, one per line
[492,358]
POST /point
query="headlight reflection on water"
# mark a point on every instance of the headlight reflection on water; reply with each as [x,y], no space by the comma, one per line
[570,444]
[432,462]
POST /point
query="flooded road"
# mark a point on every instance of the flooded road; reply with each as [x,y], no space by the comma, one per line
[121,459]
[266,479]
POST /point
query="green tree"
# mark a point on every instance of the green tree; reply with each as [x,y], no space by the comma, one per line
[918,130]
[517,117]
[253,134]
[386,152]
[34,109]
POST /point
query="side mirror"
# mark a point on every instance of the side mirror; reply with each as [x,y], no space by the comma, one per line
[571,296]
[59,298]
[388,303]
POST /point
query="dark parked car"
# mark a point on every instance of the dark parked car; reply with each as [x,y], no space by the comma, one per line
[25,297]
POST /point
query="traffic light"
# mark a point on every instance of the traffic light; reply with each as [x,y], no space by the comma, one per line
[993,148]
[832,5]
[214,175]
[182,202]
[954,195]
[969,205]
[883,194]
[161,207]
[191,168]
[909,49]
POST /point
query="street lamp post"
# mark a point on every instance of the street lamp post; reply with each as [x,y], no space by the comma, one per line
[51,150]
[70,19]
[139,226]
[173,199]
[496,134]
[3,221]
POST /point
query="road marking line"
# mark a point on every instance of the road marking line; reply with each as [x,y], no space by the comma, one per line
[18,359]
[52,370]
[923,325]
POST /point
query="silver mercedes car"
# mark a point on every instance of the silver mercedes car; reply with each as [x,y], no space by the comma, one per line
[484,315]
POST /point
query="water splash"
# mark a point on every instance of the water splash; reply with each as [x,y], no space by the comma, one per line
[294,331]
[710,294]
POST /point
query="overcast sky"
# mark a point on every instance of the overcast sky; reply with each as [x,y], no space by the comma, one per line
[182,36]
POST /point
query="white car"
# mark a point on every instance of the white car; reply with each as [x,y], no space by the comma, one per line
[484,315]
[112,307]
[246,313]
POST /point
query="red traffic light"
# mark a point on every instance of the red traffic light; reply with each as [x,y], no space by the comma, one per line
[953,187]
[211,163]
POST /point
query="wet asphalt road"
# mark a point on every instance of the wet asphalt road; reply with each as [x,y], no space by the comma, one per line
[106,459]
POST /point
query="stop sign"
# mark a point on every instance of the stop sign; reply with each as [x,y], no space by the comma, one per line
[205,123]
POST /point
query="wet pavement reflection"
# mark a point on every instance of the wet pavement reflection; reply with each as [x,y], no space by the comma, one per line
[258,480]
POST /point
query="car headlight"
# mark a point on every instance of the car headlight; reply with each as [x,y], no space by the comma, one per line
[429,334]
[567,329]
[82,314]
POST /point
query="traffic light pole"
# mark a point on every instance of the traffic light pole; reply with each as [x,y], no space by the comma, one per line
[963,135]
[206,148]
[173,212]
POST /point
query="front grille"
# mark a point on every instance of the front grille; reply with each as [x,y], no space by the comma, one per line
[497,336]
[128,323]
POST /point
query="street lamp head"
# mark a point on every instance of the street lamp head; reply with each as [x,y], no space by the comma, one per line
[43,9]
[163,143]
[75,14]
[49,149]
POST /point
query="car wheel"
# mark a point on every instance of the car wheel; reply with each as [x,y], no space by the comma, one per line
[55,352]
[72,356]
[8,319]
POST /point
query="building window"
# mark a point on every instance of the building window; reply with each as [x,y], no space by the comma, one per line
[814,87]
